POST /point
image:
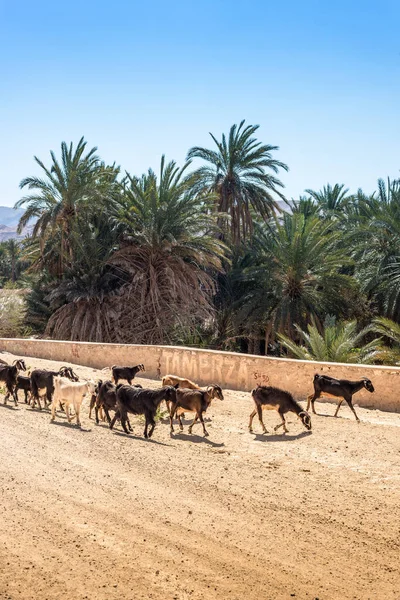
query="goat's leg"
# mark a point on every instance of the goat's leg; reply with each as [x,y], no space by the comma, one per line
[105,409]
[193,422]
[149,419]
[77,408]
[312,398]
[123,421]
[172,412]
[253,414]
[204,427]
[259,412]
[115,417]
[350,403]
[53,411]
[338,406]
[92,405]
[67,412]
[15,396]
[129,423]
[283,424]
[180,421]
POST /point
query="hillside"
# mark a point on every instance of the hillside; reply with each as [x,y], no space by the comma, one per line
[9,218]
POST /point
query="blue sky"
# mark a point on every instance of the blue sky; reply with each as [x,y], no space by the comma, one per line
[139,79]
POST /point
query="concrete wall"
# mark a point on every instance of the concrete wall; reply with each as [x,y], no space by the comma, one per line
[230,370]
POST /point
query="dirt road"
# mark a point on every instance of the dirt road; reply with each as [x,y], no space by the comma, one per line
[95,514]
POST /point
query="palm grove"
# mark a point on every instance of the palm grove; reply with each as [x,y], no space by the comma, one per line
[205,256]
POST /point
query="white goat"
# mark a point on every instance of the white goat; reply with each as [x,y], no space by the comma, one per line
[70,393]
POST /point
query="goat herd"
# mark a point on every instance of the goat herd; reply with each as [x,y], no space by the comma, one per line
[62,389]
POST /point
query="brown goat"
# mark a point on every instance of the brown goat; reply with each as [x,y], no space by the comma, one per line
[193,401]
[272,398]
[182,383]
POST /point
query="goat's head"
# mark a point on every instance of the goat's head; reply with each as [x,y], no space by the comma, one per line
[140,368]
[69,373]
[368,385]
[215,391]
[170,392]
[20,364]
[305,419]
[91,386]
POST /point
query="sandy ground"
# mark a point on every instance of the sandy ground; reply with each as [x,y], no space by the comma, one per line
[95,514]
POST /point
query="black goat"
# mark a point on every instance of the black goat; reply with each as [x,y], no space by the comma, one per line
[23,383]
[338,388]
[272,398]
[127,373]
[105,397]
[9,374]
[43,380]
[141,402]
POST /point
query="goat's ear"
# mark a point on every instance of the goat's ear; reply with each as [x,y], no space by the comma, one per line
[176,386]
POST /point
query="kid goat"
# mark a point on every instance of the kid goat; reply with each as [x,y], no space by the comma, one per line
[127,373]
[272,398]
[339,388]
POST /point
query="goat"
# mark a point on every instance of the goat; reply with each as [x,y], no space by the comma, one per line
[194,401]
[43,381]
[183,383]
[70,393]
[24,383]
[105,399]
[127,373]
[272,398]
[141,402]
[9,374]
[324,385]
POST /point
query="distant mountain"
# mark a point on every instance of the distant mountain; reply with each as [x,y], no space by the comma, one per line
[9,216]
[9,219]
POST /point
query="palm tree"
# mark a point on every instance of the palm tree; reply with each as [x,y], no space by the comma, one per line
[373,233]
[330,200]
[338,342]
[68,186]
[391,330]
[159,273]
[13,251]
[237,172]
[295,273]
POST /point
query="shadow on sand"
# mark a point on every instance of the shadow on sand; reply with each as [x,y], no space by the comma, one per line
[280,437]
[196,439]
[139,438]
